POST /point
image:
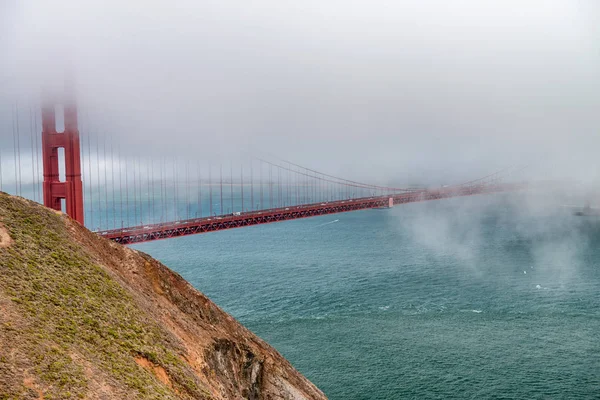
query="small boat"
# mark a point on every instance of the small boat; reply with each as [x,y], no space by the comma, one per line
[587,210]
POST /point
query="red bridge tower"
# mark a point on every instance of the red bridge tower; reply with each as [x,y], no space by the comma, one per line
[72,188]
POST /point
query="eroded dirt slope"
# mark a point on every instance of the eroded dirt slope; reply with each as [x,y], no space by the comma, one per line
[82,317]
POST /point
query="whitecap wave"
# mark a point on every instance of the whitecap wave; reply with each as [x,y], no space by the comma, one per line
[330,222]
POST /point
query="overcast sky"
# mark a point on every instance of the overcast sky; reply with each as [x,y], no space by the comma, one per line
[363,89]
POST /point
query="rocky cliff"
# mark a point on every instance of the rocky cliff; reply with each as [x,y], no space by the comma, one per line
[82,317]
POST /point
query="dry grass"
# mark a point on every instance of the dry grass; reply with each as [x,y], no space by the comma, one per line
[61,315]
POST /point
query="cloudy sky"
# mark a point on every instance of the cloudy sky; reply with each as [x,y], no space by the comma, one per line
[364,89]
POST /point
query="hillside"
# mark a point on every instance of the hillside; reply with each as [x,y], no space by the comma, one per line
[82,317]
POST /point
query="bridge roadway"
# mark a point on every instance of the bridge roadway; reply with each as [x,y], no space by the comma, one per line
[146,233]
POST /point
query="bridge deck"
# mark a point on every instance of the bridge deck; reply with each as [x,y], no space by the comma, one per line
[138,234]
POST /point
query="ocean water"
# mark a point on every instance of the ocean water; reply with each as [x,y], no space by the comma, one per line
[468,298]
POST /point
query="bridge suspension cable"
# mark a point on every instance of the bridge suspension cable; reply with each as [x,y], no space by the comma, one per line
[132,193]
[350,182]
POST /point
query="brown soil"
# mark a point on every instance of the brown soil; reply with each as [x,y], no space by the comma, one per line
[30,384]
[156,370]
[5,239]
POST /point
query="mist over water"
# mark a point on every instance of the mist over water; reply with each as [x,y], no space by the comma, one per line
[478,297]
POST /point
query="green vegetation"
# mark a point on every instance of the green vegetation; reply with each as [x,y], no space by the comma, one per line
[74,320]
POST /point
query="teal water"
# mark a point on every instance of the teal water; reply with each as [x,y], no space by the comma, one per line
[463,298]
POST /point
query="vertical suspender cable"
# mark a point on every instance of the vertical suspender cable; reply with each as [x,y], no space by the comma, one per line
[127,192]
[165,186]
[231,183]
[83,173]
[139,167]
[153,177]
[270,186]
[278,186]
[163,191]
[167,202]
[12,113]
[120,186]
[347,191]
[242,184]
[311,188]
[320,187]
[285,189]
[307,187]
[162,201]
[261,184]
[221,180]
[251,186]
[19,150]
[210,199]
[274,187]
[318,183]
[302,179]
[105,182]
[37,158]
[112,173]
[173,182]
[135,203]
[176,191]
[279,200]
[32,154]
[89,141]
[289,189]
[150,193]
[199,189]
[187,189]
[98,181]
[99,184]
[315,188]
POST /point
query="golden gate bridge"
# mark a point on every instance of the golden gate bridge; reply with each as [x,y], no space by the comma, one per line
[137,198]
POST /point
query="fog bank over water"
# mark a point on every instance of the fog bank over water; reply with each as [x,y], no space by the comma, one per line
[375,90]
[458,231]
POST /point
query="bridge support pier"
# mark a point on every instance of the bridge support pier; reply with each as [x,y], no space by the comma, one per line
[71,190]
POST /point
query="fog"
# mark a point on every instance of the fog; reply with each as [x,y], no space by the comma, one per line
[380,91]
[533,238]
